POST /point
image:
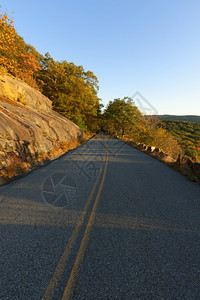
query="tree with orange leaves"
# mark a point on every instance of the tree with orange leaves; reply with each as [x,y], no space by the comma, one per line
[16,57]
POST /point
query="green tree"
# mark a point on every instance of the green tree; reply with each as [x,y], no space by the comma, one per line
[121,116]
[72,90]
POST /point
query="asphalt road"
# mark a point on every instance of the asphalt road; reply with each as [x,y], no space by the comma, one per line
[105,221]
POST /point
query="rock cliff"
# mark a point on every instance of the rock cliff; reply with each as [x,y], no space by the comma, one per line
[30,131]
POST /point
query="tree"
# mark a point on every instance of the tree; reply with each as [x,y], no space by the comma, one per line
[121,116]
[72,90]
[16,57]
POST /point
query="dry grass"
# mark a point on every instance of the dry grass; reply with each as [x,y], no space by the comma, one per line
[17,165]
[182,164]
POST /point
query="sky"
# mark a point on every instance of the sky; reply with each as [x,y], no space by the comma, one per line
[148,47]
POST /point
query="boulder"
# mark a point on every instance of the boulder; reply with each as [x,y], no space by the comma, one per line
[151,149]
[133,144]
[141,146]
[17,90]
[156,150]
[30,129]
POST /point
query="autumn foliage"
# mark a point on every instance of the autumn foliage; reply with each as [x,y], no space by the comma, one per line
[74,94]
[73,90]
[123,119]
[16,57]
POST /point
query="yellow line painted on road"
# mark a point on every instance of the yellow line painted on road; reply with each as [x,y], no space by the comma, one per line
[74,273]
[63,260]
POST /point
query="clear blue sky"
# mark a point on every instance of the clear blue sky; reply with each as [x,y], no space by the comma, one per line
[150,46]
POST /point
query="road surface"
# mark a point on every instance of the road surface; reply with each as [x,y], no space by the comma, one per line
[104,221]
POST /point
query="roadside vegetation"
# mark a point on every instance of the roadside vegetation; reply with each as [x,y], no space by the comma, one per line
[124,120]
[74,94]
[187,134]
[73,90]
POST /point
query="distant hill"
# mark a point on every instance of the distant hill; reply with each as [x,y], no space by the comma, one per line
[186,133]
[189,118]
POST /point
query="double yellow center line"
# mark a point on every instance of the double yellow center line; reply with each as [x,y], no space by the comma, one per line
[65,256]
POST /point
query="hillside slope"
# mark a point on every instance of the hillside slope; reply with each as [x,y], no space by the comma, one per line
[187,134]
[29,129]
[187,118]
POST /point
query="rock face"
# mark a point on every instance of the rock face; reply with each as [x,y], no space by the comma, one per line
[17,90]
[28,126]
